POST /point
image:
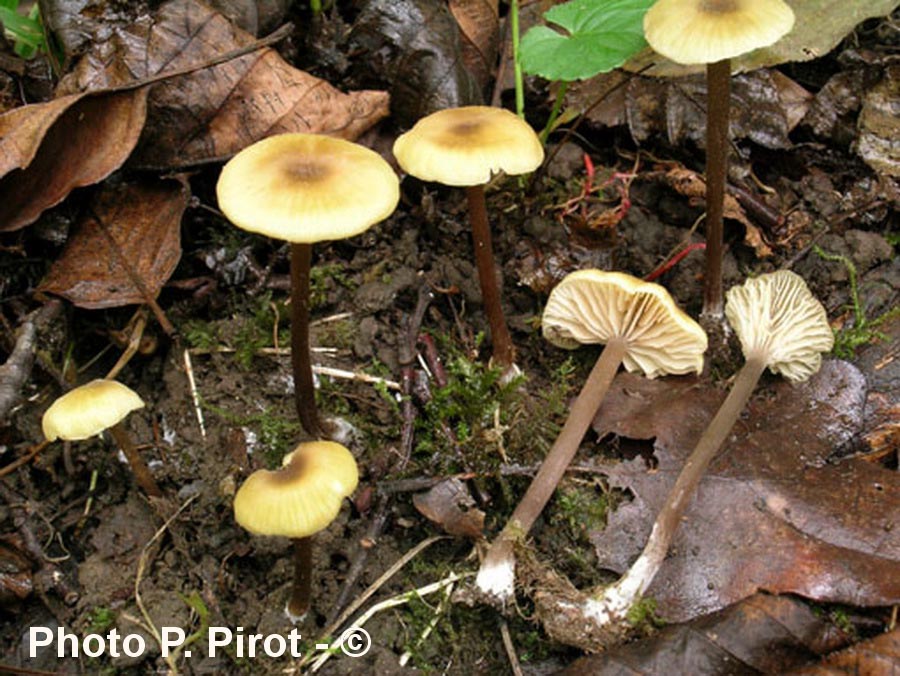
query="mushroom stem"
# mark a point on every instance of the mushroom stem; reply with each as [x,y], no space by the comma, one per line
[496,573]
[301,361]
[138,467]
[614,602]
[718,84]
[298,605]
[504,352]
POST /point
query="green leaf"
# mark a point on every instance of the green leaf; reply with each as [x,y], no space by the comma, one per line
[595,37]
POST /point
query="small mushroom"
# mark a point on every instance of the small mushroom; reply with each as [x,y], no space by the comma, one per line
[781,327]
[464,147]
[306,188]
[643,329]
[712,32]
[92,408]
[298,500]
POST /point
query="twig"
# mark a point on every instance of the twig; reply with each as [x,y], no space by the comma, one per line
[354,375]
[17,369]
[195,396]
[510,649]
[393,602]
[137,325]
[25,459]
[432,623]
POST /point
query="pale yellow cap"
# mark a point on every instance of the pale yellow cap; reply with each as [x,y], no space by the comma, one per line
[465,146]
[303,496]
[88,410]
[777,318]
[594,306]
[307,188]
[706,31]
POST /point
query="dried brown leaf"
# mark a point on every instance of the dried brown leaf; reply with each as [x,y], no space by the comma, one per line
[879,656]
[776,512]
[762,634]
[450,505]
[479,24]
[49,149]
[145,220]
[214,112]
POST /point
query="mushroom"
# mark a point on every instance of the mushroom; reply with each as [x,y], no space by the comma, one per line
[712,32]
[464,147]
[90,409]
[306,188]
[298,500]
[643,329]
[782,327]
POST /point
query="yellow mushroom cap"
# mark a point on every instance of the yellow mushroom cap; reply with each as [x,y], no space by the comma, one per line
[89,409]
[594,306]
[307,188]
[706,31]
[464,146]
[777,318]
[303,496]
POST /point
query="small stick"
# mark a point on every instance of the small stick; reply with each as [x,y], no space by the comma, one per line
[353,375]
[195,395]
[432,623]
[510,649]
[25,459]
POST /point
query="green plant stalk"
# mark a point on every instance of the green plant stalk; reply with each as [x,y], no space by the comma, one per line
[859,317]
[517,64]
[315,6]
[554,112]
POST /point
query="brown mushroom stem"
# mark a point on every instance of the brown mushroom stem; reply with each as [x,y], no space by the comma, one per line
[718,83]
[301,360]
[499,562]
[615,601]
[299,603]
[504,352]
[138,467]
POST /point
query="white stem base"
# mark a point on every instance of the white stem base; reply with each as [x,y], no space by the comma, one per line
[497,576]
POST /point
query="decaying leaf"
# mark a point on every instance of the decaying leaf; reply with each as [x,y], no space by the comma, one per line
[145,221]
[479,25]
[49,149]
[415,45]
[450,505]
[776,512]
[819,25]
[760,635]
[879,125]
[879,655]
[691,184]
[213,112]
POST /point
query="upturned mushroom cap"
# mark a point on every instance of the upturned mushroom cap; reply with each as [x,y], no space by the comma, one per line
[777,319]
[594,306]
[305,188]
[303,496]
[464,146]
[706,31]
[88,410]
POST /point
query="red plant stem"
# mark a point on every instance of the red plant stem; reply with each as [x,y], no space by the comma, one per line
[139,468]
[504,352]
[301,360]
[718,83]
[582,413]
[674,260]
[299,603]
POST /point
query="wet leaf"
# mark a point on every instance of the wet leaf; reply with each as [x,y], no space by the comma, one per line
[49,149]
[819,26]
[762,634]
[145,220]
[776,511]
[879,125]
[479,25]
[450,505]
[879,655]
[414,45]
[213,112]
[585,38]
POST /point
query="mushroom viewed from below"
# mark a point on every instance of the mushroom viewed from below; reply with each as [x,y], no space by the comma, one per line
[465,147]
[98,406]
[297,501]
[782,327]
[712,32]
[306,188]
[642,328]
